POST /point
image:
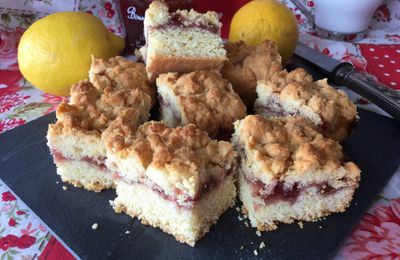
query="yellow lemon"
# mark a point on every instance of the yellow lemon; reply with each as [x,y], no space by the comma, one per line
[259,20]
[55,52]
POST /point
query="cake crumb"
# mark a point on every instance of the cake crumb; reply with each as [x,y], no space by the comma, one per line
[258,233]
[262,245]
[64,187]
[255,252]
[300,223]
[241,248]
[251,242]
[95,226]
[320,226]
[237,209]
[127,232]
[57,182]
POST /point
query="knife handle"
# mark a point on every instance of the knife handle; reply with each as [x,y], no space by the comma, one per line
[364,84]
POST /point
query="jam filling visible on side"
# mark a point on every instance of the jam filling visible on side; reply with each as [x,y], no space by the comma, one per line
[275,109]
[176,115]
[189,201]
[280,192]
[178,20]
[98,162]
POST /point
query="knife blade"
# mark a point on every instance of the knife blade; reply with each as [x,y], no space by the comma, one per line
[343,73]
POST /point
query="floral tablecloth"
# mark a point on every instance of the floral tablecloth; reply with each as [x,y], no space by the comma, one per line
[24,236]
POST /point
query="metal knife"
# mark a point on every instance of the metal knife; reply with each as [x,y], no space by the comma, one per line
[344,74]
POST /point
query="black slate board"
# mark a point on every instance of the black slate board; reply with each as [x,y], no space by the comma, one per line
[26,166]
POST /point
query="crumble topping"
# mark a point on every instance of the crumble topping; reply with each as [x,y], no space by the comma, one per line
[120,132]
[157,14]
[119,88]
[334,107]
[248,64]
[293,142]
[185,155]
[118,74]
[204,98]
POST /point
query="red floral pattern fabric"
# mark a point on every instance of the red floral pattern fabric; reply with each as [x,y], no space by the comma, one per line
[22,234]
[378,234]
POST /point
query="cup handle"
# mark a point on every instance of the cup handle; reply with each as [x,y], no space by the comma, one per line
[305,11]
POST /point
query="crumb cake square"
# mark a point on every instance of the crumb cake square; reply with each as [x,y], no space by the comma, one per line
[289,171]
[203,98]
[248,64]
[295,93]
[176,179]
[182,41]
[75,139]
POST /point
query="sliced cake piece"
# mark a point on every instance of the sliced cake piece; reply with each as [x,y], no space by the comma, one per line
[248,64]
[203,98]
[177,179]
[182,41]
[75,139]
[295,93]
[288,171]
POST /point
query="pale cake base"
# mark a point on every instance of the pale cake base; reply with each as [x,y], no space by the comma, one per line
[173,49]
[186,225]
[75,144]
[84,174]
[170,112]
[309,206]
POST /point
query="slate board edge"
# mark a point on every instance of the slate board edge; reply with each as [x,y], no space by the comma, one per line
[370,202]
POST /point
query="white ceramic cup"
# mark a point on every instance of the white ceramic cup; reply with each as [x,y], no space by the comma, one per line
[344,16]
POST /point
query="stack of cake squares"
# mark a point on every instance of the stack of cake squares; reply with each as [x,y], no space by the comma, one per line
[182,173]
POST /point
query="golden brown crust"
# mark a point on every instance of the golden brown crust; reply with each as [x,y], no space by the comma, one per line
[179,237]
[119,73]
[163,64]
[120,132]
[118,89]
[204,98]
[197,212]
[94,186]
[310,218]
[291,142]
[186,154]
[337,112]
[248,64]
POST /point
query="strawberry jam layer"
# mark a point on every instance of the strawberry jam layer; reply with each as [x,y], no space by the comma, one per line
[98,162]
[187,202]
[176,115]
[274,109]
[179,21]
[283,193]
